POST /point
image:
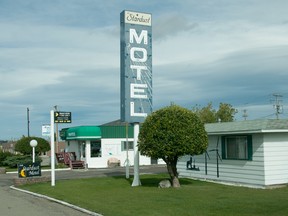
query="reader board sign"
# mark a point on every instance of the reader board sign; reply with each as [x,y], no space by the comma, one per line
[62,117]
[136,66]
[29,170]
[46,130]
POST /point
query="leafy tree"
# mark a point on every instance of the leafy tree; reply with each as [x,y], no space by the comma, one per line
[226,112]
[23,145]
[208,114]
[172,132]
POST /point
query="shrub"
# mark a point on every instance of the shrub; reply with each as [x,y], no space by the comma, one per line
[3,156]
[13,161]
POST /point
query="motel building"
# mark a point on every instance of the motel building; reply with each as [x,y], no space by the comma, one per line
[97,145]
[247,153]
[251,153]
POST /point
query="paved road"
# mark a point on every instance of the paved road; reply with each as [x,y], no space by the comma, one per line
[14,203]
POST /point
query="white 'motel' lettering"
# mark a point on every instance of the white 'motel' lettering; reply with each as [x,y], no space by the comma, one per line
[138,58]
[138,55]
[143,35]
[132,112]
[139,69]
[138,89]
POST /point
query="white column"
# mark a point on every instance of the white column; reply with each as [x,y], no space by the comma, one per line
[87,152]
[136,180]
[52,148]
[127,153]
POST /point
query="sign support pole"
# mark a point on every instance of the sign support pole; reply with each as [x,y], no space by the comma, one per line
[136,180]
[127,151]
[52,149]
[135,74]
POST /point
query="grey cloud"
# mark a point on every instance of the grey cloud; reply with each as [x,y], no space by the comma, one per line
[172,24]
[218,51]
[242,76]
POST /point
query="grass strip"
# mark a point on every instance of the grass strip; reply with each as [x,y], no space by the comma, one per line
[115,196]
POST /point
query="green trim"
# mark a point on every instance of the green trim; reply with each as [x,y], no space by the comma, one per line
[223,147]
[83,133]
[249,147]
[116,132]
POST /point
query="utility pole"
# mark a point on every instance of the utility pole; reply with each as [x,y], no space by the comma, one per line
[56,130]
[28,123]
[245,114]
[277,104]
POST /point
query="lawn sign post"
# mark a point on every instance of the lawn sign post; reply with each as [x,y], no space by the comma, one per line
[56,117]
[136,74]
[52,148]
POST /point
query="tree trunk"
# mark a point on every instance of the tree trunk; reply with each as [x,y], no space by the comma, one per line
[172,170]
[175,182]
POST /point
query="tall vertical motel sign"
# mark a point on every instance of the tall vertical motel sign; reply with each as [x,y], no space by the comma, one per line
[136,74]
[136,66]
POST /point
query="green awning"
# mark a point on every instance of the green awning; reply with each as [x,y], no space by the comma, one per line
[83,133]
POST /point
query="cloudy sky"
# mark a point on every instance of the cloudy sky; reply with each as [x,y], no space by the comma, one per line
[67,53]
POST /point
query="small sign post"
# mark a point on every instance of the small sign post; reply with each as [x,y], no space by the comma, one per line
[29,170]
[56,117]
[62,117]
[46,129]
[52,149]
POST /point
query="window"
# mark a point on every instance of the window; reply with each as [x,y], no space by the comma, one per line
[237,147]
[124,146]
[96,148]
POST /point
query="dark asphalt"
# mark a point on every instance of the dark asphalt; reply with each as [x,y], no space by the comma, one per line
[14,203]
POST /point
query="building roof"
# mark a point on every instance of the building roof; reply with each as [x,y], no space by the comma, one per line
[115,123]
[249,126]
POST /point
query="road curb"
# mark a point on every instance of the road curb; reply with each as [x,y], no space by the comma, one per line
[57,201]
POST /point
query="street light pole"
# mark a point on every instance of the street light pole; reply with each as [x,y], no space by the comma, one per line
[33,144]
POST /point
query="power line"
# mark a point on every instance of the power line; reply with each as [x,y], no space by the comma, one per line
[245,114]
[277,104]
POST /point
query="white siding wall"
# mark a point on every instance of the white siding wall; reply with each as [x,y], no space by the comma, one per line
[236,171]
[276,158]
[73,147]
[111,148]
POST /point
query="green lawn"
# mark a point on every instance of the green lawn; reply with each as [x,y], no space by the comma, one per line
[115,196]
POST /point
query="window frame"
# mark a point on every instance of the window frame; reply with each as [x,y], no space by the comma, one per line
[100,150]
[249,147]
[130,144]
